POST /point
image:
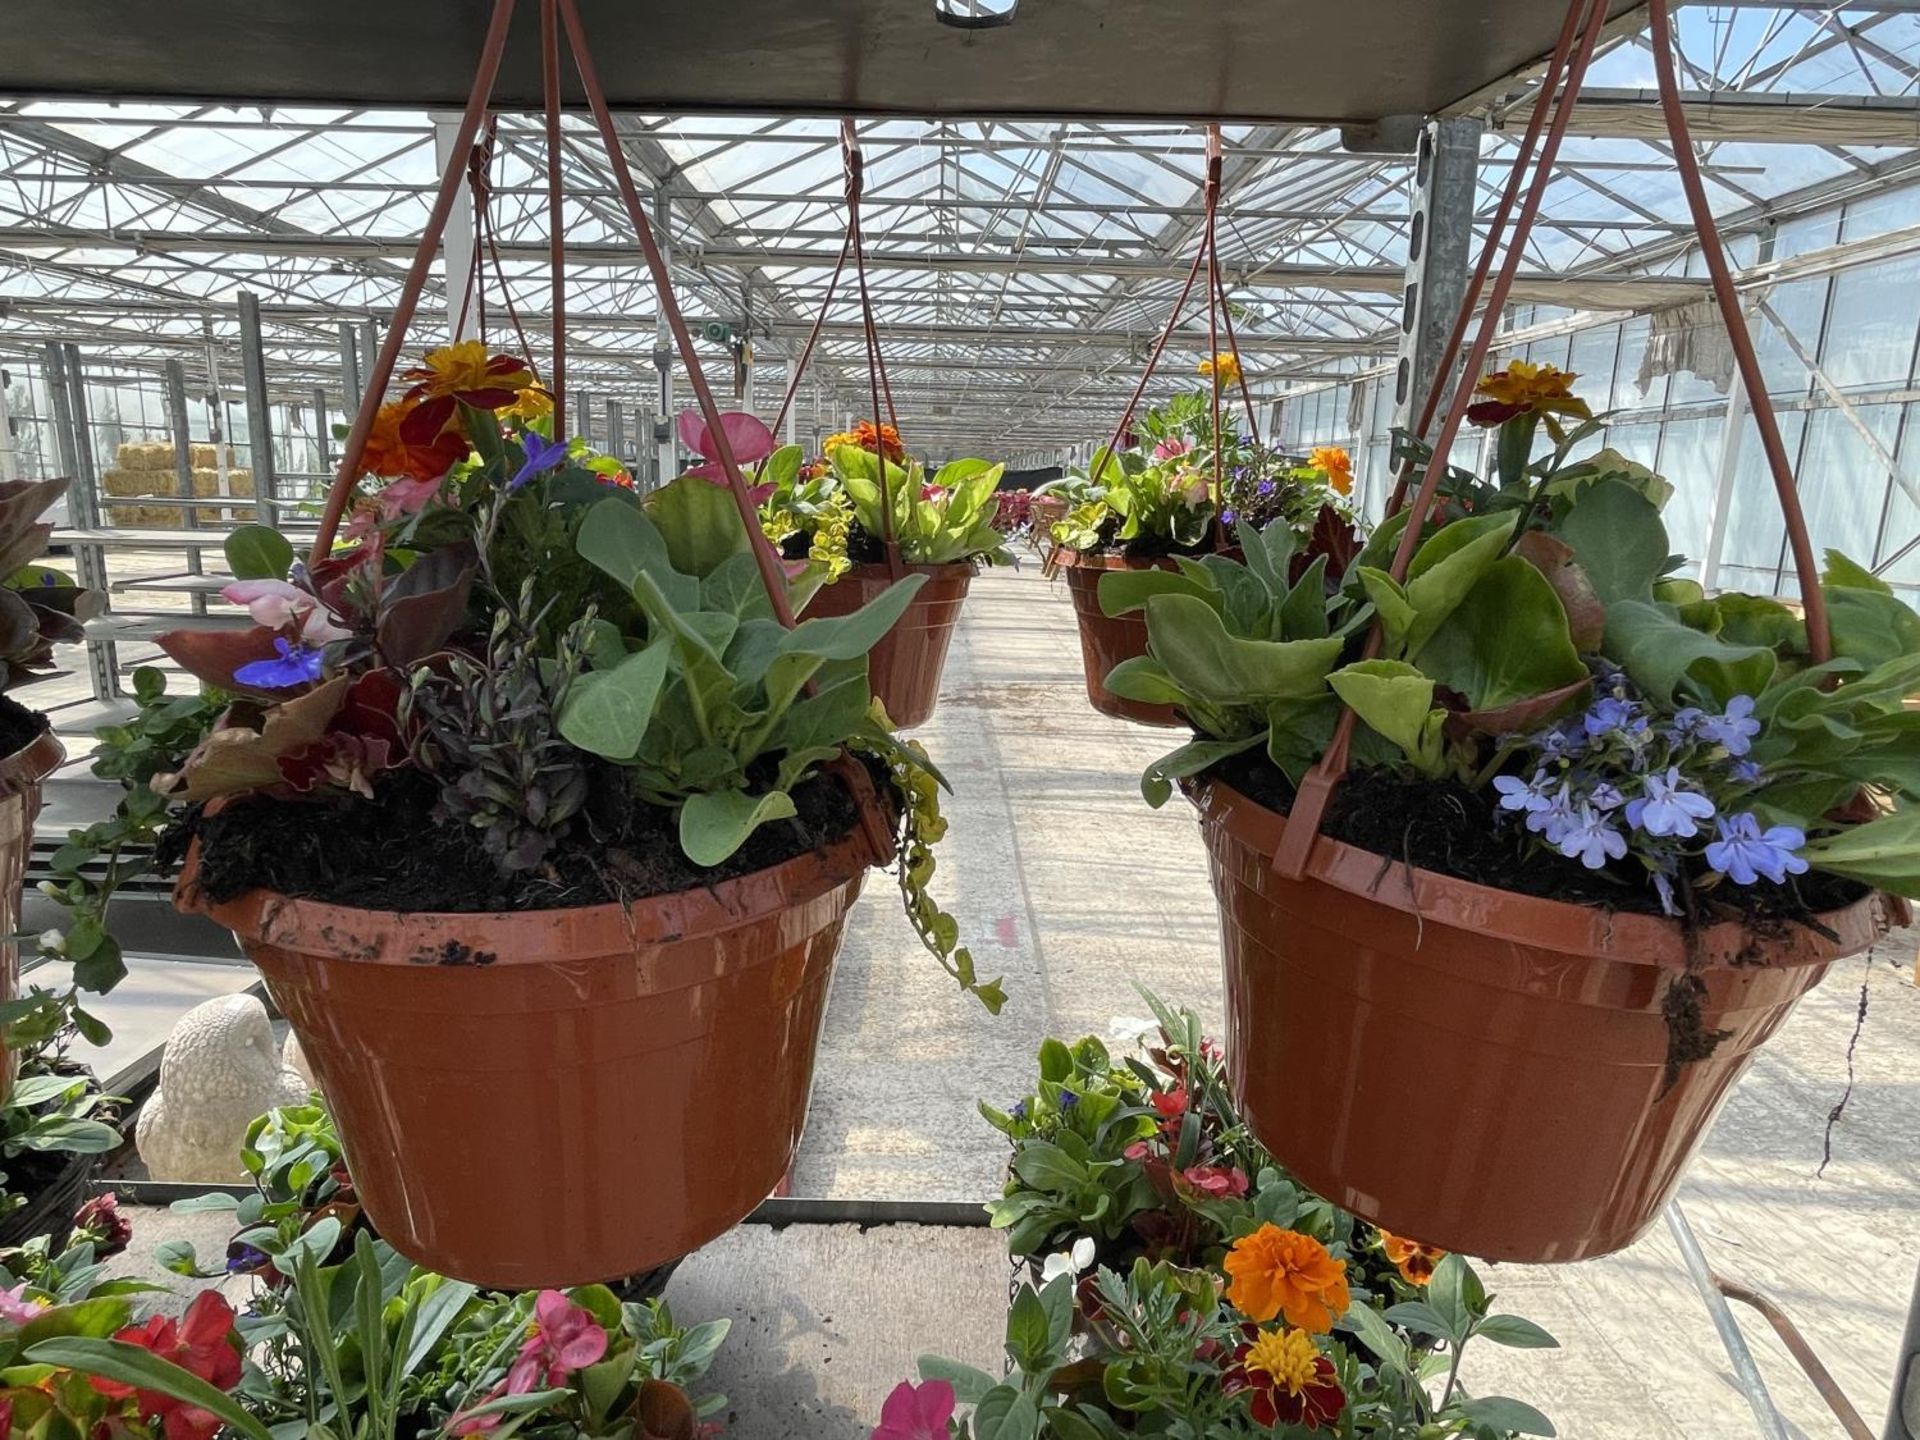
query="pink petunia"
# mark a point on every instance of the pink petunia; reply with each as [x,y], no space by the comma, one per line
[281,606]
[916,1412]
[750,440]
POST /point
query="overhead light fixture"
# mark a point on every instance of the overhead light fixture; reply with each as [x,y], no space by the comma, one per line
[975,14]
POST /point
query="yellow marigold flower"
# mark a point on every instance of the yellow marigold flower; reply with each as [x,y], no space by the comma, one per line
[1289,1356]
[466,371]
[529,405]
[1282,1272]
[1414,1260]
[1223,369]
[1336,464]
[1524,388]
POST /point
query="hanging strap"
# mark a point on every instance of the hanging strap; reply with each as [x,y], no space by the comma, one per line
[556,225]
[877,385]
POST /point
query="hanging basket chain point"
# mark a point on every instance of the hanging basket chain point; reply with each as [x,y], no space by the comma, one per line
[855,166]
[556,225]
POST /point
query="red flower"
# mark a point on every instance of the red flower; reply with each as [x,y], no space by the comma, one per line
[361,741]
[404,445]
[455,375]
[202,1342]
[1289,1381]
[1172,1104]
[100,1221]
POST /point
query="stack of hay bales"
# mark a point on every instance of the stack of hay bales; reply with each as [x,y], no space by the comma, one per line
[145,468]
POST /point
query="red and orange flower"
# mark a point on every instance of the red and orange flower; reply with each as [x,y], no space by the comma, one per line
[1289,1381]
[1414,1260]
[1524,388]
[202,1342]
[885,440]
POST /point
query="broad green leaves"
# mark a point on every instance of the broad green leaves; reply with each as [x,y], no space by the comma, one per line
[1506,641]
[1668,658]
[1188,638]
[1616,535]
[699,522]
[607,711]
[258,552]
[1397,701]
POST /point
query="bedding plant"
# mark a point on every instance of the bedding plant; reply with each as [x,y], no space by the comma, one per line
[1554,708]
[518,685]
[336,1338]
[1178,1282]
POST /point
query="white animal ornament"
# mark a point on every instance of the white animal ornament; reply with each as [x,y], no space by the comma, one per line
[220,1070]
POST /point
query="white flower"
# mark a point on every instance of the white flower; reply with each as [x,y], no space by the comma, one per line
[1068,1262]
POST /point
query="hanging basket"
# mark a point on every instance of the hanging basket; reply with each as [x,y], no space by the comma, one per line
[905,667]
[1106,640]
[555,1097]
[1477,1069]
[21,774]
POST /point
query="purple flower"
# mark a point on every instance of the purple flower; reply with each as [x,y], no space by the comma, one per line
[1735,729]
[1228,517]
[1663,885]
[1610,713]
[1747,772]
[1068,1099]
[1563,741]
[542,454]
[1591,838]
[1019,1109]
[1605,796]
[297,665]
[1668,809]
[1528,795]
[1554,818]
[1744,852]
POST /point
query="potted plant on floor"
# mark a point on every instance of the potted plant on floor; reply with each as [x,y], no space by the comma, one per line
[540,826]
[1602,832]
[839,513]
[1194,1288]
[1153,507]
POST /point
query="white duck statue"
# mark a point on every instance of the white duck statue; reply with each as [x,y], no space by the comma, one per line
[219,1071]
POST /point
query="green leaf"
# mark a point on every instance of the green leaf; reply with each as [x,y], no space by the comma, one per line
[1665,657]
[1045,1166]
[1056,1061]
[1617,537]
[735,586]
[1143,678]
[1506,641]
[1122,591]
[1186,636]
[1883,853]
[1006,1414]
[1844,574]
[78,1137]
[1303,615]
[847,637]
[1397,701]
[969,1384]
[699,522]
[1156,784]
[607,711]
[619,538]
[1368,1327]
[1028,1330]
[1515,1332]
[1501,1413]
[715,823]
[258,552]
[1447,1294]
[1869,624]
[1759,620]
[130,1365]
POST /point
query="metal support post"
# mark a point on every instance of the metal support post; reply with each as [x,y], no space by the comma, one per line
[253,368]
[176,382]
[581,417]
[616,431]
[369,352]
[667,457]
[322,431]
[456,242]
[9,469]
[72,429]
[1745,1370]
[350,382]
[1732,436]
[793,411]
[1445,193]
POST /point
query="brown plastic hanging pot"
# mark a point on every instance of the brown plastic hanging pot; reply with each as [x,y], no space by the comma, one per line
[553,1097]
[1106,640]
[21,774]
[905,667]
[1472,1068]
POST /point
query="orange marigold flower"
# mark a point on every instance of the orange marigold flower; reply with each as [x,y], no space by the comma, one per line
[1524,388]
[397,451]
[1414,1260]
[1282,1272]
[863,436]
[1336,464]
[1223,369]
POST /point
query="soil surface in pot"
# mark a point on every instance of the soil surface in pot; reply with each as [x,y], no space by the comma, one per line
[385,854]
[19,726]
[1452,830]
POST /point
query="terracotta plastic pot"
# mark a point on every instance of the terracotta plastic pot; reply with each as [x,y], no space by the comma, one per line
[1472,1068]
[1106,640]
[20,776]
[554,1097]
[905,667]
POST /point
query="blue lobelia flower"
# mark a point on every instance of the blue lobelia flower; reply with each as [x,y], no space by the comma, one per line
[1555,818]
[1591,838]
[1735,729]
[1527,795]
[1745,853]
[1611,713]
[1068,1099]
[1606,796]
[1019,1109]
[542,454]
[296,665]
[1663,886]
[1747,772]
[1668,809]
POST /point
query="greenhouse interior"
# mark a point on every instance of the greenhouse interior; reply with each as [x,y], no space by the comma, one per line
[1344,579]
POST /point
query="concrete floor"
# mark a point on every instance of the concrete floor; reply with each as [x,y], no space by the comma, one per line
[1064,880]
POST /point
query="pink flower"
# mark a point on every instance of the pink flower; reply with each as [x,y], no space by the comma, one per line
[933,494]
[564,1337]
[750,441]
[1168,449]
[16,1308]
[1218,1181]
[916,1412]
[281,606]
[408,497]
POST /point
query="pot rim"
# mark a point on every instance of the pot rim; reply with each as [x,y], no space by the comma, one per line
[877,570]
[351,933]
[33,761]
[1556,925]
[1063,558]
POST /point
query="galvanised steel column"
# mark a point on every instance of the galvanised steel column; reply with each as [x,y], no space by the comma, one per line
[456,241]
[667,460]
[617,431]
[1445,195]
[176,382]
[350,382]
[253,372]
[73,435]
